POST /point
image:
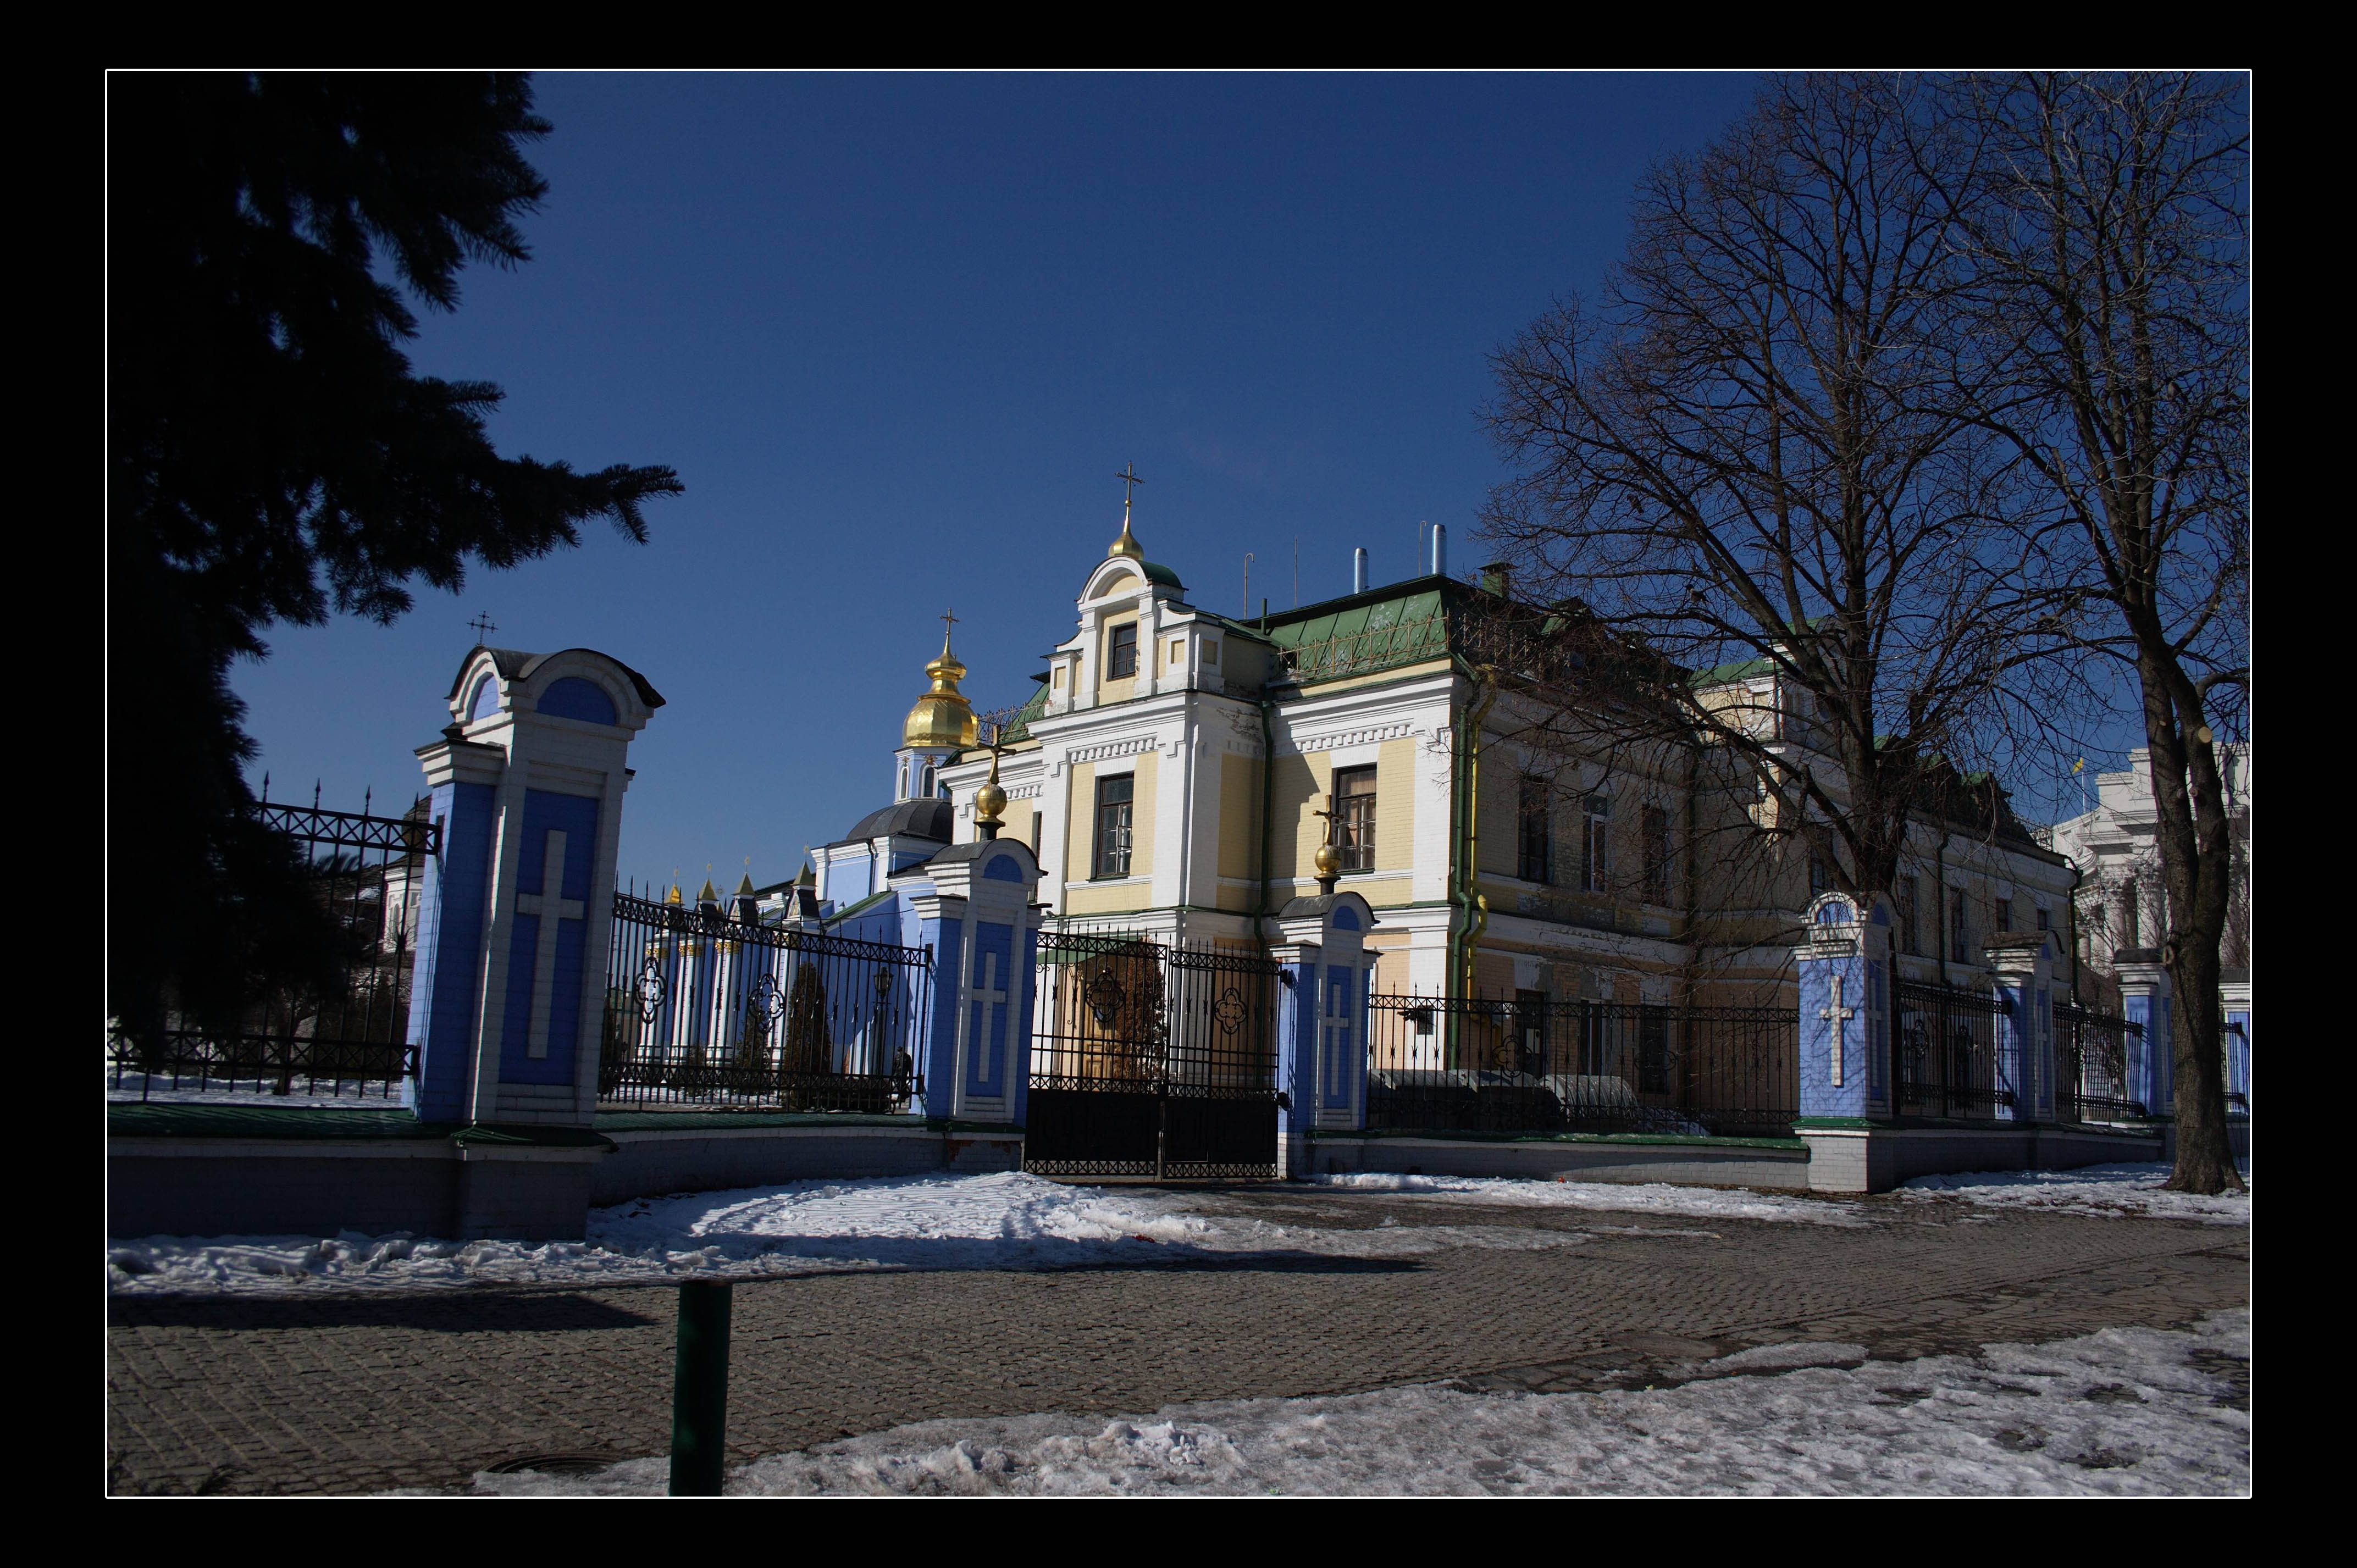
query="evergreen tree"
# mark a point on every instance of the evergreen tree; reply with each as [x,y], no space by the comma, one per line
[271,457]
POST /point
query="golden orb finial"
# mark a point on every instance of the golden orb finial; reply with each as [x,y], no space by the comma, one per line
[941,717]
[989,800]
[1328,862]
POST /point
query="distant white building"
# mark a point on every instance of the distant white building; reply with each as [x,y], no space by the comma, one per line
[2121,906]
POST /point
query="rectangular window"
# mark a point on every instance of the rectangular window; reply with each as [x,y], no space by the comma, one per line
[1653,1050]
[2005,913]
[1121,660]
[1534,837]
[1178,653]
[1593,1054]
[1354,817]
[2131,922]
[1115,798]
[1595,850]
[1210,650]
[1820,879]
[1910,937]
[1960,938]
[2045,919]
[1530,1032]
[1657,854]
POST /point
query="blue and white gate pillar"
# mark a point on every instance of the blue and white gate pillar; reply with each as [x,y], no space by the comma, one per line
[1845,1034]
[2145,999]
[2234,996]
[983,923]
[507,998]
[2024,962]
[1321,1059]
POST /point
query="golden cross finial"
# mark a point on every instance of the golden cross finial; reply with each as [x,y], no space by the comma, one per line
[1129,483]
[1329,815]
[949,623]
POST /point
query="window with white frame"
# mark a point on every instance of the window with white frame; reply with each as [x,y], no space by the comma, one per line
[1595,843]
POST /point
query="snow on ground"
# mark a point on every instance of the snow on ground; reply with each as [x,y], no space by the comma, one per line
[2132,1189]
[1007,1220]
[345,1094]
[2125,1411]
[1655,1197]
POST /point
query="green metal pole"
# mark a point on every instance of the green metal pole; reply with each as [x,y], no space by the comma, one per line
[699,1393]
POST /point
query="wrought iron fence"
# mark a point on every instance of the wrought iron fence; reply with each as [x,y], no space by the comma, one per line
[1151,1060]
[345,1038]
[2091,1066]
[1944,1051]
[1488,1065]
[705,1009]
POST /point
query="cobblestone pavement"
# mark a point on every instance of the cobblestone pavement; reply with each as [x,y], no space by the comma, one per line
[353,1391]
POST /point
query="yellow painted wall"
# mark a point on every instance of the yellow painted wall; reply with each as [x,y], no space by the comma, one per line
[1080,845]
[1301,785]
[1239,814]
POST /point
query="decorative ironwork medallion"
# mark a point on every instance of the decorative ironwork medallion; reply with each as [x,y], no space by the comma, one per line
[1228,1012]
[1104,996]
[650,989]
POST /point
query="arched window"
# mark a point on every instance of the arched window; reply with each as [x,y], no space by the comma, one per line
[926,786]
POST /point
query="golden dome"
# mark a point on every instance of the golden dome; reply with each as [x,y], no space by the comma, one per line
[942,717]
[1127,544]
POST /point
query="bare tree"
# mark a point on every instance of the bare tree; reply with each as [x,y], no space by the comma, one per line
[2109,240]
[1760,451]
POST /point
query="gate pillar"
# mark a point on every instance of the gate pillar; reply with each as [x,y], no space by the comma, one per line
[1845,998]
[1321,1066]
[982,920]
[2145,998]
[2024,961]
[507,1001]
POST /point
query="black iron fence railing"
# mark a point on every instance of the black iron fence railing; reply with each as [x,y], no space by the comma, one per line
[2091,1066]
[1488,1065]
[702,1009]
[1150,1059]
[345,1035]
[1944,1050]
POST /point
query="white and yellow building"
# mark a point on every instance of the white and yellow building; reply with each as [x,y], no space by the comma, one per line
[1176,771]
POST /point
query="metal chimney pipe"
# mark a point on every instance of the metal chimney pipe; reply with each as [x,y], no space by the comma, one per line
[1440,551]
[1357,571]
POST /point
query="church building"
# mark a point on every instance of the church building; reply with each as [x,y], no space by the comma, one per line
[1180,775]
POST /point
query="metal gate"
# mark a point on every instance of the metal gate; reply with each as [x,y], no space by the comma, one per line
[705,1006]
[1150,1061]
[344,1032]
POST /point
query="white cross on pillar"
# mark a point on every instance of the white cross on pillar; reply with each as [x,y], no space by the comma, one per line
[1838,1015]
[990,995]
[549,907]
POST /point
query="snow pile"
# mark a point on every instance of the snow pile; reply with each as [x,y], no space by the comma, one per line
[2130,1189]
[1006,1220]
[1653,1198]
[2124,1411]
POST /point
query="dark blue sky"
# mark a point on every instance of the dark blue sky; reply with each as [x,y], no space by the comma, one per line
[897,334]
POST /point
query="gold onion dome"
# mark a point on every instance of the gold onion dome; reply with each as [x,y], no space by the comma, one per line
[942,717]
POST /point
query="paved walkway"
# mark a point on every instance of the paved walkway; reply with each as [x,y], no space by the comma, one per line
[353,1391]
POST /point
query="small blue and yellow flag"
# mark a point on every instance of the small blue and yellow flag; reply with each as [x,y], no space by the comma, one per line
[2078,764]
